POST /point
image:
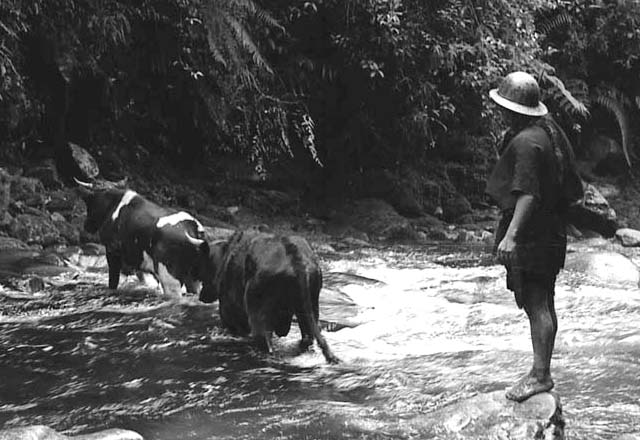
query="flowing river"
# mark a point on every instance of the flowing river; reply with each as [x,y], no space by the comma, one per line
[417,328]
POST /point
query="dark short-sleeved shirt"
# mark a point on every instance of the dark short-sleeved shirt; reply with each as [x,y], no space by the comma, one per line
[530,165]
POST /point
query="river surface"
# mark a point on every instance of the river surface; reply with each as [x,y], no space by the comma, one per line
[418,328]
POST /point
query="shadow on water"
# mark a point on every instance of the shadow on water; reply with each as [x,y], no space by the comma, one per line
[417,328]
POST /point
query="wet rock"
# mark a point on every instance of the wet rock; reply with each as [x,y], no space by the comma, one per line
[33,229]
[492,416]
[607,267]
[40,432]
[594,213]
[628,237]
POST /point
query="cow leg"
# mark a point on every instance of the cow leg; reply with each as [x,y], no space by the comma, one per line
[305,322]
[193,286]
[171,287]
[268,342]
[114,262]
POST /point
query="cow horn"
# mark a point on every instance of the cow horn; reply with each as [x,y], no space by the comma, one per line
[194,241]
[83,184]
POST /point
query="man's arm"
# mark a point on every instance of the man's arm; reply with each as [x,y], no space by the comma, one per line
[522,212]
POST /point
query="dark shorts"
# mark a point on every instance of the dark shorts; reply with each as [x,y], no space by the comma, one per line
[518,281]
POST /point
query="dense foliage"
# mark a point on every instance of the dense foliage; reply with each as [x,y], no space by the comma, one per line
[345,85]
[595,47]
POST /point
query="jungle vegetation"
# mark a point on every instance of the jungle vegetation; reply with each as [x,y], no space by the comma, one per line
[332,87]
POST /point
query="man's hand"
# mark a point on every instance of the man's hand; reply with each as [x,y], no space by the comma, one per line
[506,250]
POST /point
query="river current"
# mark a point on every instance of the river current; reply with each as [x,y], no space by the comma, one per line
[417,328]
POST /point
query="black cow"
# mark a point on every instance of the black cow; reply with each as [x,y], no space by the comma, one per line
[141,236]
[261,281]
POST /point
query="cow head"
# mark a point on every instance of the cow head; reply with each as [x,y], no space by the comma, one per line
[100,197]
[211,269]
[99,205]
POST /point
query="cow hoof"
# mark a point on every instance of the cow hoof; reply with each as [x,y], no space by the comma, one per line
[305,344]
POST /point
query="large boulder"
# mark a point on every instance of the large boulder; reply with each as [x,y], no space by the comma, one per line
[492,416]
[594,213]
[628,237]
[85,162]
[41,432]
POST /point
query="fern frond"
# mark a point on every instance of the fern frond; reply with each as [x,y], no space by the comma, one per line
[567,101]
[244,39]
[227,34]
[615,102]
[558,20]
[252,9]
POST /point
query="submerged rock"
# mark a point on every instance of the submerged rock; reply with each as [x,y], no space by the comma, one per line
[604,266]
[492,416]
[40,432]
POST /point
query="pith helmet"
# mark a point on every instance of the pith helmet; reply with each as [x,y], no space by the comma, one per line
[520,93]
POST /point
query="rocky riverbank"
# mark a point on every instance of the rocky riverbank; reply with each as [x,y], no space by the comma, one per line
[41,218]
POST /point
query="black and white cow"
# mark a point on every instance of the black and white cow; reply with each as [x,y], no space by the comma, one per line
[140,236]
[261,280]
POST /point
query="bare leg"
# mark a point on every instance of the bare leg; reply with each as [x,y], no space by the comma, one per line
[540,308]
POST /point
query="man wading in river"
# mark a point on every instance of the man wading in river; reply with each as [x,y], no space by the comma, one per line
[533,183]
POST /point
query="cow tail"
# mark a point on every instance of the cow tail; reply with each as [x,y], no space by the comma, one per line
[312,323]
